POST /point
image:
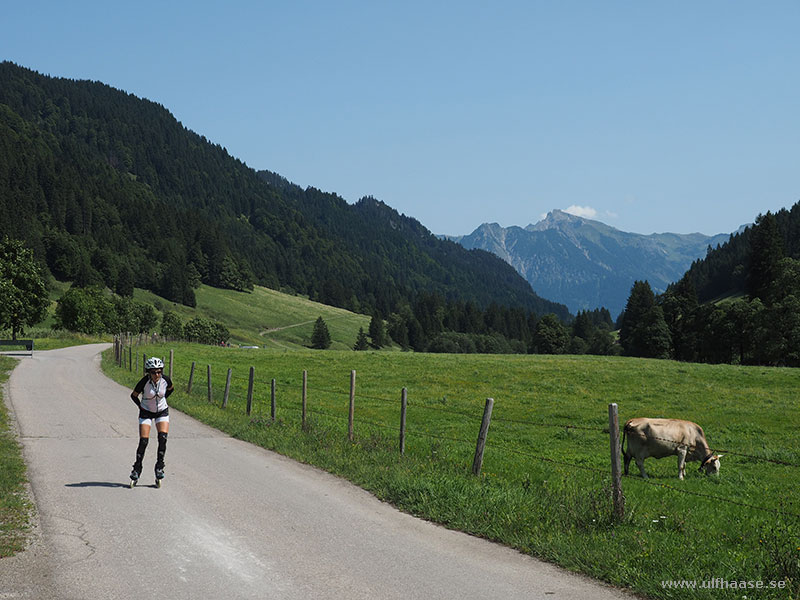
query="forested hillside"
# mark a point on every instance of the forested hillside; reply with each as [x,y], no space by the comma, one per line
[111,189]
[741,304]
[723,271]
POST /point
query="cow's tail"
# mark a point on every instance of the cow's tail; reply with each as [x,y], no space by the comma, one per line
[624,433]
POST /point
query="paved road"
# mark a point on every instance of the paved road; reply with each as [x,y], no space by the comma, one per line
[231,521]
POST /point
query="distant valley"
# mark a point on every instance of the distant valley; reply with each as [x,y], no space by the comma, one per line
[587,264]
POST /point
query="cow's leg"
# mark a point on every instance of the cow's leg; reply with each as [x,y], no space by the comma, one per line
[681,461]
[627,458]
[640,464]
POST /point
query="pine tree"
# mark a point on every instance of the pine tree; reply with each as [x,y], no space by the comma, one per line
[679,304]
[320,337]
[582,326]
[644,331]
[125,282]
[377,331]
[766,252]
[640,301]
[361,341]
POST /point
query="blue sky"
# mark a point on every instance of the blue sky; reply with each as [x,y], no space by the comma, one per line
[673,116]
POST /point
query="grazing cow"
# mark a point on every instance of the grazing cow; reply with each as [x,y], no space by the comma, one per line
[664,437]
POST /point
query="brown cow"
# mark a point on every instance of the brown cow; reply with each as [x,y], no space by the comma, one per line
[664,437]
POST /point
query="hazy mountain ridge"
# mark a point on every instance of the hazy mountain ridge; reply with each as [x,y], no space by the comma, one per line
[587,264]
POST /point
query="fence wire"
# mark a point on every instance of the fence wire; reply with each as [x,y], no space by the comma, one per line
[429,404]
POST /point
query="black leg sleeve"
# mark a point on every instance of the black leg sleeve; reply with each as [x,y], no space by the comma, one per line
[140,454]
[162,449]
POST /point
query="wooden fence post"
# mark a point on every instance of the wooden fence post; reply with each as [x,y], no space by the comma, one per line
[191,377]
[272,400]
[250,390]
[616,473]
[171,358]
[352,405]
[209,384]
[227,389]
[477,463]
[305,390]
[130,358]
[144,364]
[403,408]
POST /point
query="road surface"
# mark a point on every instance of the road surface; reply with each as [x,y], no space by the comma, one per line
[231,520]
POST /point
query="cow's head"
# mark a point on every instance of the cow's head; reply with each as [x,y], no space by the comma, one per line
[711,464]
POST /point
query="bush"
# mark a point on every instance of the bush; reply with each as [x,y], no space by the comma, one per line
[171,326]
[86,310]
[205,331]
[452,343]
[471,343]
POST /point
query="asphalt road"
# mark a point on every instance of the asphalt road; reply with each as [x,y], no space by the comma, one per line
[231,520]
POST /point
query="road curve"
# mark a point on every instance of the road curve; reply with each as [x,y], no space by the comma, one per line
[231,521]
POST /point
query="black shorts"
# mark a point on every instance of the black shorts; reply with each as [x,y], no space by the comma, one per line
[146,414]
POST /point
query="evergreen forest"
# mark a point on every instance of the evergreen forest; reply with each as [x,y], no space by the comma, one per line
[740,304]
[110,190]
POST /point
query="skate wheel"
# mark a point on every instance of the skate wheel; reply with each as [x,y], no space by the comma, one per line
[133,483]
[158,483]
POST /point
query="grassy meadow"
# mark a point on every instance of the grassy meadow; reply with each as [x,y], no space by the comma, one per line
[545,484]
[265,317]
[14,505]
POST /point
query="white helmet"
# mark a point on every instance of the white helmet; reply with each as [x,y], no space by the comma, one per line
[153,363]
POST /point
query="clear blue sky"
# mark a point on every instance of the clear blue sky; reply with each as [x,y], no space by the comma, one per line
[651,116]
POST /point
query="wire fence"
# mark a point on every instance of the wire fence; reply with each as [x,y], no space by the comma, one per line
[293,400]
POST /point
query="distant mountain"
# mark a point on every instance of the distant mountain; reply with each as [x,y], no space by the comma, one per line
[587,264]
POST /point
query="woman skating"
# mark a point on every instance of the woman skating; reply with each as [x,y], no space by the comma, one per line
[155,388]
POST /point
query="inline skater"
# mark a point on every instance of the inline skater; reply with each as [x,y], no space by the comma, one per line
[155,388]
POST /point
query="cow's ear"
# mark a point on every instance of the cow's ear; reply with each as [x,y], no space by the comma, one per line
[718,456]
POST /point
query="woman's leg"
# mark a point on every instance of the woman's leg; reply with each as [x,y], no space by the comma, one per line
[163,429]
[144,438]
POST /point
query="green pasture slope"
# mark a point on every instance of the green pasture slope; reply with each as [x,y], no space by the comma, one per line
[15,508]
[545,484]
[265,317]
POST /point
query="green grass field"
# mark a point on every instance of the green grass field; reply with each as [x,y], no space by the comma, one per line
[545,485]
[263,317]
[266,318]
[14,505]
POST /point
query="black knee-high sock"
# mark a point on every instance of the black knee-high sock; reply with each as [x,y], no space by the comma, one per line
[162,449]
[140,453]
